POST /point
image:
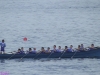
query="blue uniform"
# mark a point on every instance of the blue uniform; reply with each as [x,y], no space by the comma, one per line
[22,52]
[34,51]
[3,45]
[18,53]
[47,51]
[30,52]
[70,50]
[58,50]
[54,50]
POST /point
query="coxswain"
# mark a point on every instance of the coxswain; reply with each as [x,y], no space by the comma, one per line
[22,50]
[34,50]
[3,45]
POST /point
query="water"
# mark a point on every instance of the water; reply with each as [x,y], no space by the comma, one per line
[45,23]
[54,67]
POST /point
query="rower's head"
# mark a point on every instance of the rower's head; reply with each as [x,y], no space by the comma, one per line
[22,48]
[34,48]
[92,45]
[79,46]
[42,48]
[54,46]
[19,50]
[48,48]
[71,46]
[66,47]
[30,49]
[59,47]
[3,41]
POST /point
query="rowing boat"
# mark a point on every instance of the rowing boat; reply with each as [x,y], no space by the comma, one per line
[95,53]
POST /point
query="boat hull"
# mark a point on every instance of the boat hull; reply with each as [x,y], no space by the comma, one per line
[84,54]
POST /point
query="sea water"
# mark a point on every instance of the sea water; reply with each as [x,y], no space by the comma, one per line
[46,23]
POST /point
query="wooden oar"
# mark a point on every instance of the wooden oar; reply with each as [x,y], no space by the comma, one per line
[97,47]
[24,56]
[50,55]
[11,56]
[74,54]
[62,54]
[37,55]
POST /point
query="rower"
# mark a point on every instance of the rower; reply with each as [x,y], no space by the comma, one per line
[82,47]
[19,51]
[66,48]
[34,50]
[92,47]
[48,50]
[54,48]
[70,49]
[30,51]
[22,50]
[3,45]
[59,49]
[42,50]
[79,48]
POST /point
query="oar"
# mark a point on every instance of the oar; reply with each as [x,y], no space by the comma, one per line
[23,56]
[11,56]
[37,55]
[74,54]
[50,55]
[97,47]
[62,54]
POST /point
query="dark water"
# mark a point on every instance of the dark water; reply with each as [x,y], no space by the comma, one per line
[45,23]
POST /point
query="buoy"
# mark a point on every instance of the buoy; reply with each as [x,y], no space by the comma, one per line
[25,39]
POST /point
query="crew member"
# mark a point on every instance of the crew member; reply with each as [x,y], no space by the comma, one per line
[3,45]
